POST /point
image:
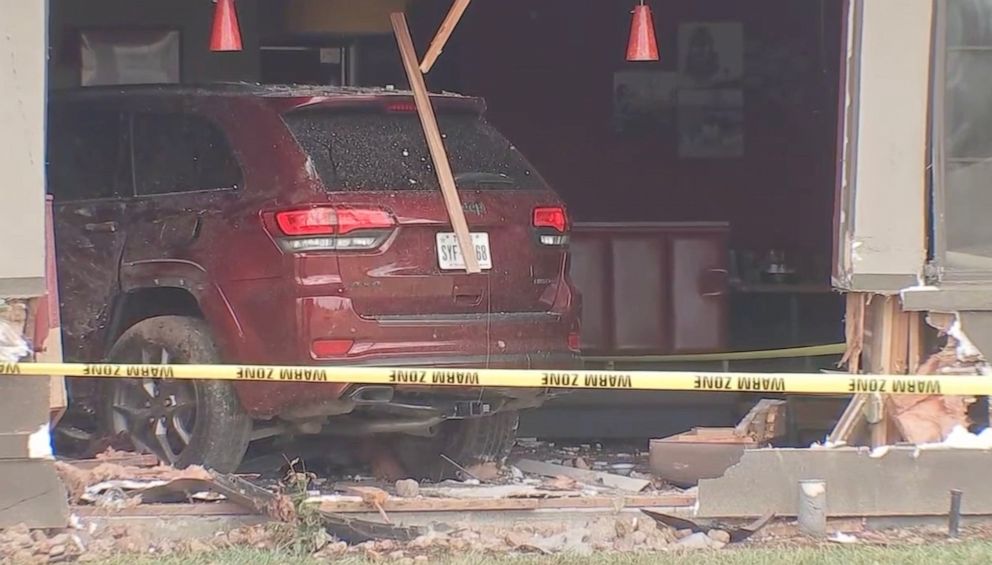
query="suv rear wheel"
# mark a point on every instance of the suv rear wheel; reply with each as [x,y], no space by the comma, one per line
[466,442]
[183,422]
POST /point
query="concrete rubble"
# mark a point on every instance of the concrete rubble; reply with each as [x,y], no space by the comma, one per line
[365,517]
[551,500]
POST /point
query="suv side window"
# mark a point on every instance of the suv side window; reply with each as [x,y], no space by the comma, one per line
[88,154]
[181,153]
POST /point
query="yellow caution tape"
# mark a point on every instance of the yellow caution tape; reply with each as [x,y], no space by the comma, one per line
[509,378]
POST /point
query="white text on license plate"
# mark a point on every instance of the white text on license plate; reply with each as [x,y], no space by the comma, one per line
[449,255]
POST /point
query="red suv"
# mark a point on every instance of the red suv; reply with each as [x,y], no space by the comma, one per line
[281,225]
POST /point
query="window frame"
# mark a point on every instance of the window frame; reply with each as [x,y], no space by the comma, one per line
[126,188]
[136,195]
[939,268]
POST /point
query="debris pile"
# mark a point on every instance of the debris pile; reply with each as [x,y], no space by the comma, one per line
[365,517]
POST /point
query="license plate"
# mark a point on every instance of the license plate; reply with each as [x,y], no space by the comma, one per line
[449,255]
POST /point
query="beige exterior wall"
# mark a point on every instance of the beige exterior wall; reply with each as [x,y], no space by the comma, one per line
[885,145]
[22,147]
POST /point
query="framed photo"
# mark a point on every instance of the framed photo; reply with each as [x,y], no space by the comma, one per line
[711,123]
[643,100]
[110,57]
[711,53]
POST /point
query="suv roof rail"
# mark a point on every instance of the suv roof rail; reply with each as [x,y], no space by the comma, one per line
[238,89]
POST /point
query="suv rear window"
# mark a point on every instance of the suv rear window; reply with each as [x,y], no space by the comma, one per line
[380,151]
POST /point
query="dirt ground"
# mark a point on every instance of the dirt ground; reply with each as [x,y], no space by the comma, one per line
[967,553]
[270,545]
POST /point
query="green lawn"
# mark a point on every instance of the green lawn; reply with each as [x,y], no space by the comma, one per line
[959,554]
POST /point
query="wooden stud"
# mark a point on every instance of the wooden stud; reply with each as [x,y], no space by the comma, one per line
[434,142]
[854,322]
[852,421]
[916,345]
[443,34]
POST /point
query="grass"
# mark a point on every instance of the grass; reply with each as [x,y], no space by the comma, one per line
[969,553]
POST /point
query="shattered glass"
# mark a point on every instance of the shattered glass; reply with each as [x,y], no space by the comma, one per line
[375,151]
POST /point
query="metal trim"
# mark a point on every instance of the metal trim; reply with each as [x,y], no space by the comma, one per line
[23,287]
[846,186]
[938,132]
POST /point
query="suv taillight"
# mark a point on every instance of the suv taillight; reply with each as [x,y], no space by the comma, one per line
[549,219]
[334,228]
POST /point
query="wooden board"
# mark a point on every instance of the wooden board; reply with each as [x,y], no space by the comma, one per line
[126,460]
[443,34]
[852,421]
[510,504]
[592,477]
[163,510]
[434,142]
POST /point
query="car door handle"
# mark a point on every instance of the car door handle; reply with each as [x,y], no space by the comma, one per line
[102,227]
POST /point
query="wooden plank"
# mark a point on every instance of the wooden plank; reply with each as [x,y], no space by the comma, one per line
[443,34]
[132,460]
[854,331]
[889,355]
[884,336]
[164,510]
[899,340]
[852,421]
[765,422]
[495,491]
[394,505]
[916,345]
[434,142]
[592,477]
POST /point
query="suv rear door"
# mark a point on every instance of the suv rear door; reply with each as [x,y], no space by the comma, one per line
[186,177]
[378,160]
[89,172]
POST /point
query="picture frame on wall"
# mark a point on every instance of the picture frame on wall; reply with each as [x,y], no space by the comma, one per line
[711,123]
[644,100]
[119,57]
[711,53]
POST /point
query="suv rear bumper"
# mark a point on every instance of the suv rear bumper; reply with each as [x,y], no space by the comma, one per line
[266,400]
[498,341]
[540,360]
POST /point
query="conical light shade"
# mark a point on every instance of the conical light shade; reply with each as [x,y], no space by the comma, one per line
[643,45]
[226,34]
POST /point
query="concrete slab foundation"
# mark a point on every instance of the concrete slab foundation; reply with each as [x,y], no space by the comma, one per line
[31,493]
[904,481]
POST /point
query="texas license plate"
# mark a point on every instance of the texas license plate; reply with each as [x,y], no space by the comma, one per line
[449,254]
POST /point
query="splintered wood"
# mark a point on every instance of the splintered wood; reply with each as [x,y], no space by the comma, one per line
[765,422]
[443,34]
[892,343]
[435,143]
[929,419]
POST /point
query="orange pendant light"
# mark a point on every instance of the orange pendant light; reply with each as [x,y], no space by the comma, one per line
[226,35]
[643,45]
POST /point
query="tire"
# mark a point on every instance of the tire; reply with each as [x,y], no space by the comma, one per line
[466,442]
[206,425]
